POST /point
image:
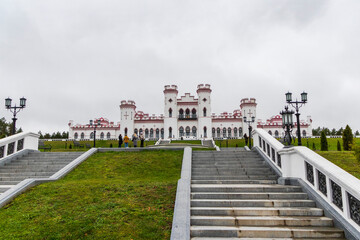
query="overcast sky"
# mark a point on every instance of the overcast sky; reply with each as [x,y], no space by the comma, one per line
[77,59]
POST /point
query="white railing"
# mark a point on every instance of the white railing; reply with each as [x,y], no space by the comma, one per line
[18,142]
[269,146]
[339,189]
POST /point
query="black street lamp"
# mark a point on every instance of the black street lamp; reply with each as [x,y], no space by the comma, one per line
[250,128]
[296,106]
[287,119]
[94,125]
[14,110]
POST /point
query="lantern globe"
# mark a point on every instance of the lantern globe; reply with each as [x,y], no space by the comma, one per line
[288,96]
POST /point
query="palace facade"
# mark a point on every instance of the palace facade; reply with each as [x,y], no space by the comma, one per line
[187,117]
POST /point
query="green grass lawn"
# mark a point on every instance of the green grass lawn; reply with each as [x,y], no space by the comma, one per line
[122,195]
[332,143]
[64,146]
[344,159]
[230,143]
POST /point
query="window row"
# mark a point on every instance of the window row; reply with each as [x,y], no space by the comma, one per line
[276,133]
[187,113]
[236,132]
[102,135]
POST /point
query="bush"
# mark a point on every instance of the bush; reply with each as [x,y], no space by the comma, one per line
[347,138]
[314,148]
[338,146]
[356,149]
[70,146]
[111,145]
[324,143]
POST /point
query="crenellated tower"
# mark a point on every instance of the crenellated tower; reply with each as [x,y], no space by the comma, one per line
[170,111]
[204,112]
[127,115]
[248,109]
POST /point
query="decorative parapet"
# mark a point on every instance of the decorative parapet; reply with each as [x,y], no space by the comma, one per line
[333,187]
[128,104]
[18,142]
[248,102]
[203,88]
[170,89]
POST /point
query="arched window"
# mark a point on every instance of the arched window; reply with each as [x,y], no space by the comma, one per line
[181,131]
[157,133]
[82,135]
[140,131]
[170,132]
[181,113]
[76,135]
[240,131]
[187,113]
[304,133]
[126,131]
[170,112]
[193,131]
[162,133]
[229,132]
[146,133]
[151,133]
[204,112]
[235,132]
[276,133]
[213,132]
[224,132]
[102,135]
[136,131]
[91,135]
[205,132]
[218,132]
[187,131]
[270,133]
[108,135]
[193,113]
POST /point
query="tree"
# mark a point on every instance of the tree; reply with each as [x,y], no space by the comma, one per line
[324,143]
[357,133]
[5,129]
[314,148]
[356,149]
[340,132]
[347,138]
[338,146]
[333,132]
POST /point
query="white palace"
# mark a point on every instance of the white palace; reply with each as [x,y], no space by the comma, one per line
[186,116]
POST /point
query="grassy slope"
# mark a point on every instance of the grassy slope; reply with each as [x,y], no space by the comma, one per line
[126,195]
[187,141]
[59,146]
[343,159]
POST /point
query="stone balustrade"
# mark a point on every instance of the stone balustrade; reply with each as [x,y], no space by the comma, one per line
[18,142]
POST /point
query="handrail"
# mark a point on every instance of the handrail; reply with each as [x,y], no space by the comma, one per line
[338,188]
[18,142]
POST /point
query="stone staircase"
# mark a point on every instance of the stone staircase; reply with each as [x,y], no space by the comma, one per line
[234,195]
[33,165]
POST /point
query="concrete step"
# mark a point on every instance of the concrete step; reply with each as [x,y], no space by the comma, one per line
[35,167]
[245,238]
[230,171]
[4,188]
[238,188]
[227,177]
[26,174]
[255,211]
[233,181]
[9,182]
[6,179]
[261,221]
[252,203]
[266,232]
[270,196]
[30,169]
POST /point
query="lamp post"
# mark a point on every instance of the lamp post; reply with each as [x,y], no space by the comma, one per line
[94,125]
[297,105]
[287,119]
[250,128]
[14,110]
